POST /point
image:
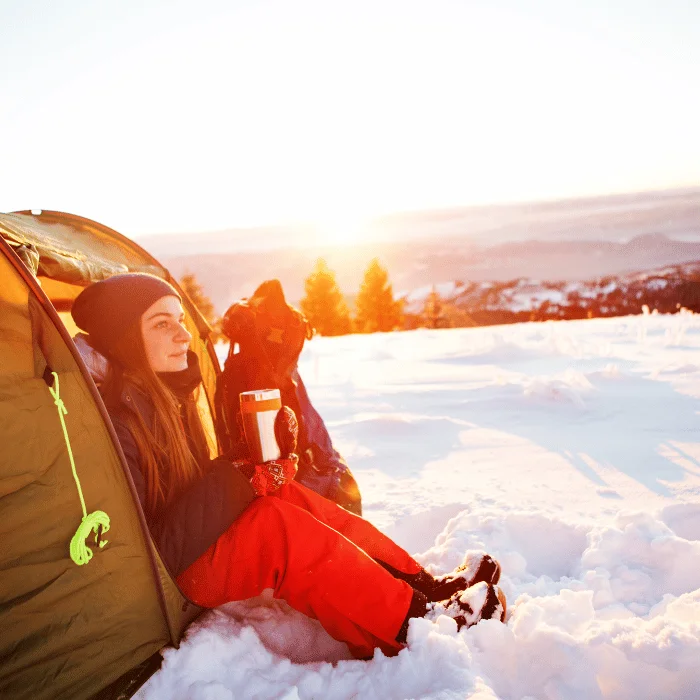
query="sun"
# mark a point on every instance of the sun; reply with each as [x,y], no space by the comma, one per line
[343,229]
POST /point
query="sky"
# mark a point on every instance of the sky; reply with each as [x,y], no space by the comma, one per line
[163,117]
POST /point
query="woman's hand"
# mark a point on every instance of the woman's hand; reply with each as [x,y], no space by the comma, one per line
[286,431]
[270,476]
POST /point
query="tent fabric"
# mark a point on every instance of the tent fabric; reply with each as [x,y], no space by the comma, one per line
[78,251]
[68,631]
[73,249]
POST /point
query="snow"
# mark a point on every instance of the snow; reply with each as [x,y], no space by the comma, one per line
[657,283]
[419,295]
[568,450]
[532,297]
[415,299]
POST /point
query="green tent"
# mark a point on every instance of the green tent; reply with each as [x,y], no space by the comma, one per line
[73,631]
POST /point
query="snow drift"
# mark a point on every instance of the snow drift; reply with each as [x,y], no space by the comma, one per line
[569,450]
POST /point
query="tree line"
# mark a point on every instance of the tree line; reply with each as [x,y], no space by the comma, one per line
[325,305]
[477,304]
[375,307]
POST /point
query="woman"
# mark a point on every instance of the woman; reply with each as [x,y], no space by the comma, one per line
[229,529]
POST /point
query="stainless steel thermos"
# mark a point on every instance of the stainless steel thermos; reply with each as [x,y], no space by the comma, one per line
[258,410]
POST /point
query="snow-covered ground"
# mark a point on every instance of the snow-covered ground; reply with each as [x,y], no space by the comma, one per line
[569,450]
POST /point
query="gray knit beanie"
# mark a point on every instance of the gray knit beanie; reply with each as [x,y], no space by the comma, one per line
[106,309]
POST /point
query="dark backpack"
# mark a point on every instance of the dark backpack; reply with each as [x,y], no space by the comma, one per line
[267,336]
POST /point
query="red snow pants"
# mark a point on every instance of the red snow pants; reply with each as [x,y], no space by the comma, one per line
[316,556]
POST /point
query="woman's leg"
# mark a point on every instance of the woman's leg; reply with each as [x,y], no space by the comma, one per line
[356,529]
[276,544]
[479,567]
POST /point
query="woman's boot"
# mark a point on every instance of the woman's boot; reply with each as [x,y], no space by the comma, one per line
[482,601]
[476,567]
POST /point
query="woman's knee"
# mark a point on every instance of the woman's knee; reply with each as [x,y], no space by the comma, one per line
[267,511]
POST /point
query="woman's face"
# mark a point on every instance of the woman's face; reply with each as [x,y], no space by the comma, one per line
[165,338]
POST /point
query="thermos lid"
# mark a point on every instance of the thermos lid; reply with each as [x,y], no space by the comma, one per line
[260,395]
[260,400]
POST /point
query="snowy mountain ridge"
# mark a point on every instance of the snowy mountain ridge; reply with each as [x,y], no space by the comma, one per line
[663,289]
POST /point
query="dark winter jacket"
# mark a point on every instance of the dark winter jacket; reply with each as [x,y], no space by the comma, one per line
[198,515]
[194,520]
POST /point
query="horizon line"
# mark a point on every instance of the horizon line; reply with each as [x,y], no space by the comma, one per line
[509,204]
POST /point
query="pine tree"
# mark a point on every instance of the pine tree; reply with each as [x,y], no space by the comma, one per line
[376,308]
[324,304]
[432,309]
[196,294]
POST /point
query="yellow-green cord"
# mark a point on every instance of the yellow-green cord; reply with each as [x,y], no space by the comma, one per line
[79,551]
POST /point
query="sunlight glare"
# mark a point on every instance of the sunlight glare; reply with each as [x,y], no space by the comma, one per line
[342,229]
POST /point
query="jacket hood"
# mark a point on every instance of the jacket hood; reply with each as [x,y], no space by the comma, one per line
[98,365]
[96,362]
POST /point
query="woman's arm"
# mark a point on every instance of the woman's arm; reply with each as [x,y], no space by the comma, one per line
[190,524]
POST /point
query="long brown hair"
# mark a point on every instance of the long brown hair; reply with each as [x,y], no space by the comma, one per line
[167,461]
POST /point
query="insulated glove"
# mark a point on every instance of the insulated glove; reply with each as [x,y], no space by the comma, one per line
[269,476]
[286,432]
